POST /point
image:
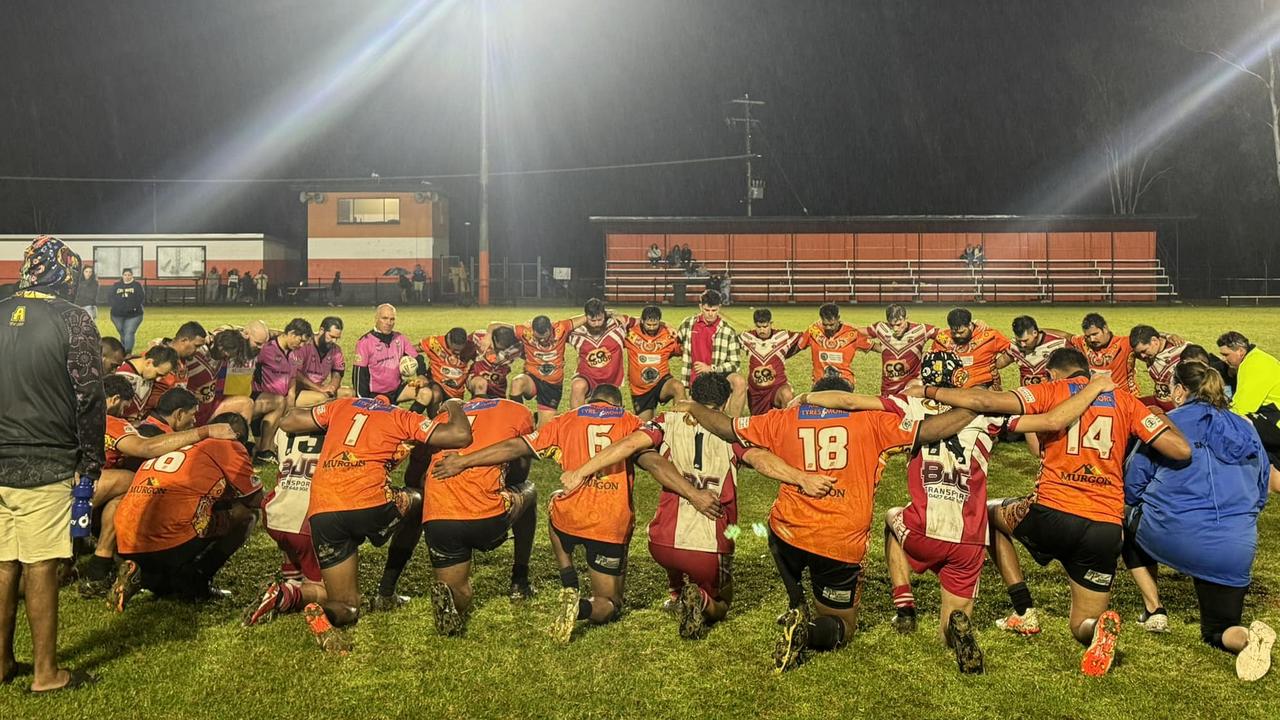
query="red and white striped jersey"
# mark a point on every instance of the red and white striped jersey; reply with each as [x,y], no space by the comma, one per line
[767,357]
[1162,366]
[285,509]
[600,357]
[900,356]
[708,463]
[947,480]
[1033,366]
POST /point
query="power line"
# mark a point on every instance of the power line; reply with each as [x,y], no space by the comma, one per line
[450,176]
[773,156]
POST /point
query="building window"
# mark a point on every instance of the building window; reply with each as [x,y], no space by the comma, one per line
[110,261]
[368,210]
[179,261]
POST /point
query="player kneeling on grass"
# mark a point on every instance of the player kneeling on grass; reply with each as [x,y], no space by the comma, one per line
[687,544]
[476,510]
[284,514]
[598,515]
[826,535]
[944,528]
[352,499]
[186,513]
[1076,512]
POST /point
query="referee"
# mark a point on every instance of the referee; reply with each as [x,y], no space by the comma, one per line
[52,421]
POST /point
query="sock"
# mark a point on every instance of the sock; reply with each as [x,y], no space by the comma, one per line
[290,596]
[520,573]
[584,609]
[1020,596]
[397,558]
[903,600]
[100,567]
[826,633]
[569,577]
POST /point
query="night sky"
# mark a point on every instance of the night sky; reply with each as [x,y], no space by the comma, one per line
[892,107]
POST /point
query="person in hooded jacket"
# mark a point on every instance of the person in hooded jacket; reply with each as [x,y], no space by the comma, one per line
[1200,517]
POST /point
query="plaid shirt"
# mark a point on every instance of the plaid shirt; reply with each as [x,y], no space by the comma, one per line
[726,348]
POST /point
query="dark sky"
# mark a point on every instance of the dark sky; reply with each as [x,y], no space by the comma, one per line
[899,106]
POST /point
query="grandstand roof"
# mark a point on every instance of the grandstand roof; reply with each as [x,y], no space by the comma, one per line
[890,223]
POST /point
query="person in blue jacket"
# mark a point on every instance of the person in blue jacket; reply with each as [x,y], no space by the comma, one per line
[1200,517]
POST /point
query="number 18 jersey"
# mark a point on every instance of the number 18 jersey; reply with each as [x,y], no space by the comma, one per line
[852,448]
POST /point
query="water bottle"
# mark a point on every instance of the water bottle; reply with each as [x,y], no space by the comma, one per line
[81,507]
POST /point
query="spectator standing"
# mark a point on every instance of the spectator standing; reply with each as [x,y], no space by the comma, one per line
[655,255]
[233,285]
[262,282]
[52,421]
[127,298]
[247,286]
[211,281]
[403,282]
[419,282]
[87,293]
[335,290]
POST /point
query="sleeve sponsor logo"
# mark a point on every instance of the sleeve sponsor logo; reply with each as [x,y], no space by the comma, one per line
[743,423]
[1026,395]
[1152,423]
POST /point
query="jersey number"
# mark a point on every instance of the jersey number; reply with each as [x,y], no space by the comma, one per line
[1096,436]
[598,438]
[167,463]
[825,448]
[357,426]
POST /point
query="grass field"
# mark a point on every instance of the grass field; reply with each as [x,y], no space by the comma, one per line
[166,660]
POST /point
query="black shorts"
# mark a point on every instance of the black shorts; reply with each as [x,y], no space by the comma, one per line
[176,571]
[1087,549]
[835,584]
[548,395]
[649,401]
[605,558]
[1264,421]
[337,535]
[451,542]
[1220,608]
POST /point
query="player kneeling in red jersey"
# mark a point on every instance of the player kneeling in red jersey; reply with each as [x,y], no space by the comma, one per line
[352,499]
[476,510]
[826,535]
[1076,512]
[944,528]
[598,515]
[685,543]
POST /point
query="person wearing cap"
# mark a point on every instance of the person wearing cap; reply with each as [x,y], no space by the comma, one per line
[53,418]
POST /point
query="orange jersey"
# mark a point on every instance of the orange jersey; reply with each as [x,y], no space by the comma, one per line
[1116,358]
[648,356]
[600,509]
[364,441]
[1083,468]
[474,494]
[545,361]
[172,497]
[448,369]
[851,447]
[117,428]
[834,355]
[978,355]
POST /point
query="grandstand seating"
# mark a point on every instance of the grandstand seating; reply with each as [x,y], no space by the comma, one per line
[884,281]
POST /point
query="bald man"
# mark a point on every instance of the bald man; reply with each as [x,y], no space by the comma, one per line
[377,366]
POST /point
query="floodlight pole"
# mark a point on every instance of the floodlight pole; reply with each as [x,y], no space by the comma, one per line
[483,249]
[746,102]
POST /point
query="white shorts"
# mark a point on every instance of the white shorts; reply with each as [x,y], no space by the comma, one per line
[35,523]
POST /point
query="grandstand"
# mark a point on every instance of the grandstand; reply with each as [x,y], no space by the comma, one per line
[892,259]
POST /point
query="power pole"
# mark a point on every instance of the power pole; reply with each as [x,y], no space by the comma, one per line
[755,186]
[483,250]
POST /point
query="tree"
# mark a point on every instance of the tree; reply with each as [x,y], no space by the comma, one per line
[1128,149]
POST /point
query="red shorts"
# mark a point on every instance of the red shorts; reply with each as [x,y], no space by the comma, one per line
[761,399]
[713,572]
[958,566]
[299,556]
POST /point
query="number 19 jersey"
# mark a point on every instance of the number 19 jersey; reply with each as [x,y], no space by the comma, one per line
[600,509]
[851,447]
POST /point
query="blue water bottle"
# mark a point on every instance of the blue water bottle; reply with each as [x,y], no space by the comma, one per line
[81,507]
